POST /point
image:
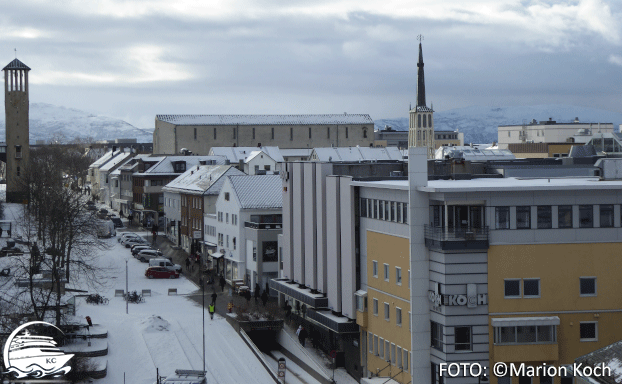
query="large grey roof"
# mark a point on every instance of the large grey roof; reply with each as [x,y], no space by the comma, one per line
[337,154]
[165,166]
[258,191]
[610,356]
[265,119]
[102,160]
[235,154]
[206,179]
[16,64]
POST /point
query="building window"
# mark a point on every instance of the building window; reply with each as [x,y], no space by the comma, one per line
[435,373]
[606,216]
[502,217]
[254,251]
[531,287]
[375,268]
[436,334]
[214,133]
[523,217]
[399,357]
[234,133]
[328,132]
[387,314]
[398,276]
[545,220]
[423,135]
[376,345]
[587,286]
[588,330]
[195,133]
[405,213]
[386,272]
[418,135]
[398,217]
[253,133]
[381,347]
[272,133]
[375,307]
[425,121]
[309,132]
[398,316]
[346,132]
[564,216]
[418,121]
[291,134]
[462,336]
[511,288]
[370,342]
[234,243]
[227,218]
[364,133]
[393,215]
[226,196]
[525,334]
[586,216]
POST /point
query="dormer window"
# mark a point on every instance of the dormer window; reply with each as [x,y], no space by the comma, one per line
[179,166]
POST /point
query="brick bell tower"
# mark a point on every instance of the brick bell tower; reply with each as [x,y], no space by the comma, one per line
[16,108]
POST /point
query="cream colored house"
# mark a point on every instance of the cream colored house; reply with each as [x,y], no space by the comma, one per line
[199,133]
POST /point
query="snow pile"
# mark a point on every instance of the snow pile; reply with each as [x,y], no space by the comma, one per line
[155,323]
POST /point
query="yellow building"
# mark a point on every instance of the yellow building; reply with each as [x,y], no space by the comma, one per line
[385,324]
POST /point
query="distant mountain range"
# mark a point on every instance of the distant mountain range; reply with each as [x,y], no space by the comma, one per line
[49,121]
[479,124]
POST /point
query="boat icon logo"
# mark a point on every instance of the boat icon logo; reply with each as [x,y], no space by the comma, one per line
[27,354]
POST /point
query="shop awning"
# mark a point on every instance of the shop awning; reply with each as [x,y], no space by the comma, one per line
[216,255]
[208,244]
[521,321]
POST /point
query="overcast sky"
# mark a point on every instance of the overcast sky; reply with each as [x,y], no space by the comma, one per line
[133,59]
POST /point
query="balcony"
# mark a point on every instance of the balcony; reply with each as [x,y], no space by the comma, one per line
[456,239]
[252,225]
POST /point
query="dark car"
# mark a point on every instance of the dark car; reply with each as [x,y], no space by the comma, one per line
[161,273]
[117,222]
[103,213]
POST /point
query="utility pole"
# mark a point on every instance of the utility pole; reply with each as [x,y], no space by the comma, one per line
[127,292]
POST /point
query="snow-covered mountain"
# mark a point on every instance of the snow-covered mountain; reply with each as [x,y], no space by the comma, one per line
[48,121]
[479,124]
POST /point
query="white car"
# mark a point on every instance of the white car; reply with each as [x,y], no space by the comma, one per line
[133,240]
[128,235]
[148,254]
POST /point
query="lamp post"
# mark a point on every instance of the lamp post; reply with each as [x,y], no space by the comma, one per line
[126,290]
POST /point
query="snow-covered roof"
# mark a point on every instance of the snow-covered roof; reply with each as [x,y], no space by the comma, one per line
[610,356]
[258,191]
[506,184]
[254,154]
[102,160]
[235,154]
[473,153]
[337,154]
[202,179]
[266,119]
[296,152]
[165,166]
[115,161]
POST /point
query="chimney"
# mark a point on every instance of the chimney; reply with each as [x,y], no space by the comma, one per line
[114,148]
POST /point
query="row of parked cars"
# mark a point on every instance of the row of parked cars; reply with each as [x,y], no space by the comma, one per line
[159,266]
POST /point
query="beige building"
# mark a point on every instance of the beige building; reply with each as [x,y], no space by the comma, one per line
[199,133]
[548,131]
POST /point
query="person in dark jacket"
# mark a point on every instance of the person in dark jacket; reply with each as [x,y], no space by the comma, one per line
[247,296]
[257,293]
[302,335]
[214,297]
[264,298]
[223,282]
[288,311]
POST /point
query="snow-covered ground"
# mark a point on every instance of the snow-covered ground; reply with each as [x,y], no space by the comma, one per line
[164,332]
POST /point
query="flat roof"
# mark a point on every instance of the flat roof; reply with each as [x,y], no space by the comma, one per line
[500,184]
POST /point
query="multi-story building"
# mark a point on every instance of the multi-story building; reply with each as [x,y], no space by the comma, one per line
[199,133]
[121,189]
[448,139]
[548,131]
[106,181]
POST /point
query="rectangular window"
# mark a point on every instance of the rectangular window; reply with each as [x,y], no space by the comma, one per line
[587,286]
[564,216]
[525,334]
[588,330]
[387,314]
[462,337]
[375,268]
[399,357]
[363,207]
[226,196]
[436,335]
[586,216]
[309,132]
[512,288]
[291,134]
[375,209]
[531,287]
[381,347]
[272,133]
[398,316]
[346,132]
[195,133]
[253,133]
[376,307]
[523,217]
[406,360]
[393,215]
[393,359]
[387,208]
[376,345]
[234,133]
[398,276]
[386,272]
[399,212]
[370,342]
[502,217]
[545,220]
[381,210]
[606,216]
[214,133]
[328,132]
[405,213]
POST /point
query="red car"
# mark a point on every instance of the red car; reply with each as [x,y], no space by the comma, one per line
[161,273]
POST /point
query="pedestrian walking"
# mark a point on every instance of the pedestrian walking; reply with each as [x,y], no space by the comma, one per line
[298,330]
[1,231]
[212,309]
[288,311]
[214,297]
[188,264]
[223,282]
[230,306]
[247,296]
[264,298]
[257,293]
[303,310]
[302,335]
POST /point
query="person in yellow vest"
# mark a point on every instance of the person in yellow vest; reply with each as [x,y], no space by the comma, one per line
[230,306]
[212,309]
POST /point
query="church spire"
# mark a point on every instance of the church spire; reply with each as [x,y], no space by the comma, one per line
[420,78]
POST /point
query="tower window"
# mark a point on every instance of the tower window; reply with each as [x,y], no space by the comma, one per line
[425,122]
[430,120]
[423,136]
[418,121]
[18,151]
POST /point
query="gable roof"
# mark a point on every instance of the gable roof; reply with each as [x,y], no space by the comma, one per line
[266,119]
[204,179]
[102,160]
[116,161]
[235,154]
[258,191]
[254,154]
[165,165]
[16,64]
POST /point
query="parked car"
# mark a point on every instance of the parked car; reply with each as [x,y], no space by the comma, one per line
[166,263]
[161,273]
[116,220]
[148,254]
[139,247]
[134,240]
[103,213]
[127,235]
[105,229]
